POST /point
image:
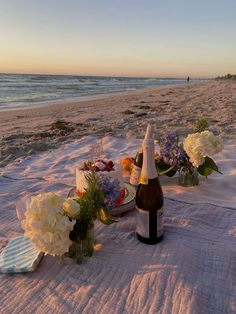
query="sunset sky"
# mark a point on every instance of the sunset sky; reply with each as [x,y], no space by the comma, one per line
[122,37]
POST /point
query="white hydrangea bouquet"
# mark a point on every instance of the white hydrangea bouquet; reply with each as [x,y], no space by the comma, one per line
[47,224]
[56,226]
[200,147]
[191,157]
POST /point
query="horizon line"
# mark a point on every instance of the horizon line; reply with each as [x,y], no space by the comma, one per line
[118,76]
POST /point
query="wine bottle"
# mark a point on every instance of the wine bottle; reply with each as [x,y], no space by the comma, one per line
[136,169]
[149,196]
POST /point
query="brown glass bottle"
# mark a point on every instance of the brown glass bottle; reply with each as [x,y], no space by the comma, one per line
[136,170]
[149,197]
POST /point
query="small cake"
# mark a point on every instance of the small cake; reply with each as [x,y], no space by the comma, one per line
[110,180]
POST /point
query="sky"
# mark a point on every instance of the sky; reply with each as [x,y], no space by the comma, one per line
[156,38]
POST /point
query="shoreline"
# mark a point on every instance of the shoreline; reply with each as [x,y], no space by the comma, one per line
[87,98]
[24,132]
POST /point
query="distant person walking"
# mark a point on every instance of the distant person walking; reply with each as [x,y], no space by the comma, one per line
[188,79]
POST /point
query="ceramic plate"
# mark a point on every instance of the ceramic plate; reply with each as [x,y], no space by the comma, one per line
[127,204]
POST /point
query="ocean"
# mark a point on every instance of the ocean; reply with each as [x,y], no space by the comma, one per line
[30,90]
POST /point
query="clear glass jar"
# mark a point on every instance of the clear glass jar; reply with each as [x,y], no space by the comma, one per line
[188,176]
[81,250]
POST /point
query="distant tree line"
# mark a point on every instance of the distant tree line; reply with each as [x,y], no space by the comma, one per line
[227,77]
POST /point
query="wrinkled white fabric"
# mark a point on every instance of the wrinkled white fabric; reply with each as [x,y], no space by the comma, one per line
[192,270]
[58,167]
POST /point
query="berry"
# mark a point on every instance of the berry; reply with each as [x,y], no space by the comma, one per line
[107,168]
[110,164]
[96,168]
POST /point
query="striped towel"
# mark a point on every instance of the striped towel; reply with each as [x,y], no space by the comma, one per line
[19,256]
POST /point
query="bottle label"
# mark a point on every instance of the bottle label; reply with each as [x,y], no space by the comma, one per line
[135,174]
[142,224]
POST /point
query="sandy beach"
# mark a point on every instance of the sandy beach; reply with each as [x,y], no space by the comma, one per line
[27,131]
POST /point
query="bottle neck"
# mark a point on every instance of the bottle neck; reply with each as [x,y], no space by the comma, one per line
[139,159]
[149,170]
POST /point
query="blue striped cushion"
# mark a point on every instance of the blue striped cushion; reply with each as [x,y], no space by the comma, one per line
[19,256]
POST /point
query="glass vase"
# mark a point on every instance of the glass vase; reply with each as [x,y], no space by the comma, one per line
[81,250]
[188,176]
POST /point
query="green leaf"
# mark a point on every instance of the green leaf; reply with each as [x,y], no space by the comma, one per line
[208,167]
[163,168]
[105,217]
[171,172]
[200,125]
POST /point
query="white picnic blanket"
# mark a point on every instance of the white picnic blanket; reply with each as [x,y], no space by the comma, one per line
[58,167]
[191,271]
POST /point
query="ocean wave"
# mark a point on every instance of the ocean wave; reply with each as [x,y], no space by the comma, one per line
[23,89]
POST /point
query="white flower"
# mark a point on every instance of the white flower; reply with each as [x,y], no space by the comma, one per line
[46,225]
[71,208]
[199,145]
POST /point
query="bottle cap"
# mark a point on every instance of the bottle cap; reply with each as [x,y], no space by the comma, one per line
[148,141]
